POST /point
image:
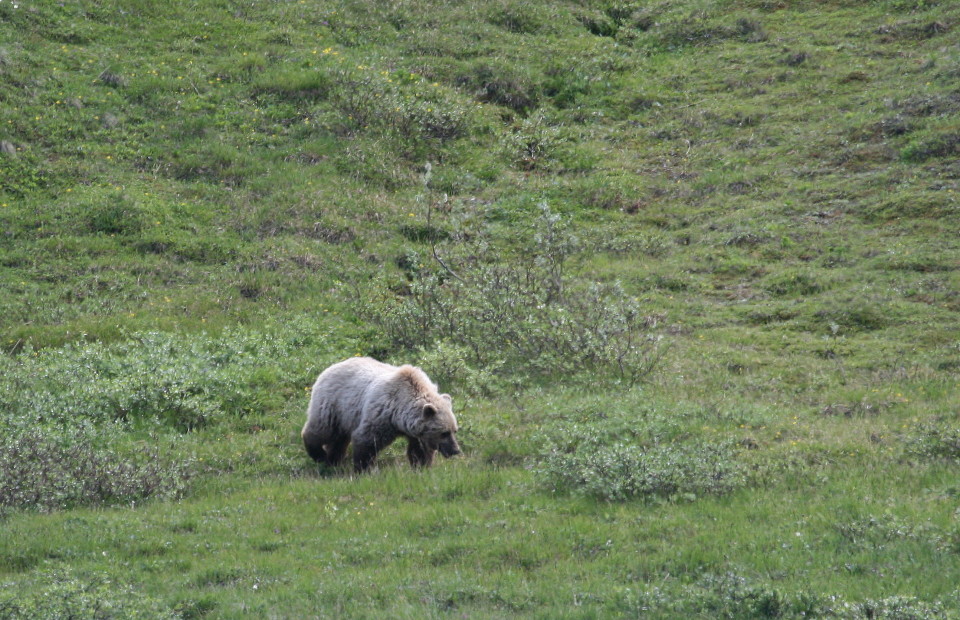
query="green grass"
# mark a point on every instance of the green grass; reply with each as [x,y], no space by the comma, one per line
[405,544]
[204,204]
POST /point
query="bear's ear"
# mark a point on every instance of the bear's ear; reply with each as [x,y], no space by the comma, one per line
[446,397]
[429,411]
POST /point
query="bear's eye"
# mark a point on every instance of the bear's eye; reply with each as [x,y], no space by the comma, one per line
[446,435]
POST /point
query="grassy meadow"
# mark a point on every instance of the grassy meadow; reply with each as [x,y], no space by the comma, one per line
[689,268]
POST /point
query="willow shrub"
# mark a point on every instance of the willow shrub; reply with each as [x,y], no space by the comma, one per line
[522,311]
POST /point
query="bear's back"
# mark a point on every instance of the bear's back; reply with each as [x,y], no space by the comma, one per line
[340,394]
[354,376]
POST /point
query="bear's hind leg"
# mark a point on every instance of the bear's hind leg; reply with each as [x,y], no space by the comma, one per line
[418,454]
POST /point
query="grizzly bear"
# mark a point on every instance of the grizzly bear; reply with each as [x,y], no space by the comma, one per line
[370,404]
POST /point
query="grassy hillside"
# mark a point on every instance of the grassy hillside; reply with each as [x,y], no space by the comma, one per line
[690,268]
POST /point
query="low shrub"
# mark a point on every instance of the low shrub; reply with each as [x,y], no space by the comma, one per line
[398,105]
[518,17]
[535,144]
[69,414]
[933,442]
[372,161]
[21,173]
[793,284]
[893,608]
[631,448]
[294,84]
[182,382]
[878,531]
[449,364]
[525,313]
[846,316]
[730,595]
[62,594]
[45,469]
[501,84]
[932,146]
[215,162]
[622,471]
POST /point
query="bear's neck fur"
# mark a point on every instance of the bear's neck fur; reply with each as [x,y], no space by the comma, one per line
[415,378]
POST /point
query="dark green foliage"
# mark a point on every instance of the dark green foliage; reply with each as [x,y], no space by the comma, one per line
[64,594]
[535,144]
[875,532]
[793,284]
[115,216]
[214,163]
[528,313]
[296,85]
[700,29]
[938,145]
[46,469]
[183,383]
[20,173]
[895,608]
[934,442]
[731,595]
[500,84]
[600,24]
[517,17]
[617,471]
[422,233]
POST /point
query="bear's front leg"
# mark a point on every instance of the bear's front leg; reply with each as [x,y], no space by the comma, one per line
[418,454]
[367,443]
[314,445]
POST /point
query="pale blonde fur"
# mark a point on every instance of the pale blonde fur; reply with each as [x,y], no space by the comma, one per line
[369,403]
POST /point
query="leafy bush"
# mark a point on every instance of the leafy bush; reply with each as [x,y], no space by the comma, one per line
[66,413]
[183,382]
[793,283]
[535,144]
[374,162]
[525,313]
[116,216]
[945,144]
[729,595]
[622,471]
[609,193]
[392,119]
[934,443]
[633,450]
[732,596]
[215,162]
[517,17]
[893,608]
[61,594]
[294,84]
[501,84]
[44,469]
[399,105]
[879,531]
[21,174]
[864,315]
[448,363]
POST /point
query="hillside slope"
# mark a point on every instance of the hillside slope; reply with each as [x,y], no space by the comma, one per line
[691,270]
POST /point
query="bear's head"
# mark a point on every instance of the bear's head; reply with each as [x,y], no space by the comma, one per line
[439,426]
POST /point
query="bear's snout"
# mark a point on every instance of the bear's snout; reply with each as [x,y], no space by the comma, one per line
[450,448]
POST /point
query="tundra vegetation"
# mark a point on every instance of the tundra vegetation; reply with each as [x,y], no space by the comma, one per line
[690,268]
